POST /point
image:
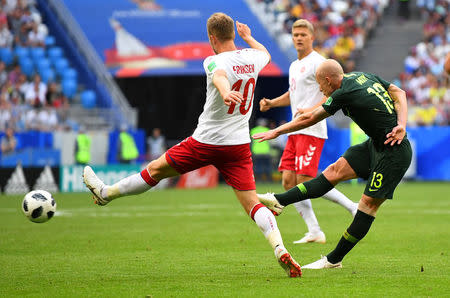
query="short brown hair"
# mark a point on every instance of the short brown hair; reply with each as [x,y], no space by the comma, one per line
[302,23]
[221,26]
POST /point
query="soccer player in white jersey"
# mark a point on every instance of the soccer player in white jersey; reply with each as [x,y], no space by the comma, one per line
[221,137]
[301,156]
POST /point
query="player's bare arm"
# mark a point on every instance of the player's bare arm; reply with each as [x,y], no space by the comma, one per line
[400,105]
[303,121]
[246,34]
[220,81]
[303,111]
[266,104]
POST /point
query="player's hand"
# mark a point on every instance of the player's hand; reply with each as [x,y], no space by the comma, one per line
[243,30]
[264,104]
[396,135]
[264,136]
[299,112]
[232,97]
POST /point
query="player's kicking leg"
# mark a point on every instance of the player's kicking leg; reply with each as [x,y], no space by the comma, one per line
[266,222]
[131,185]
[359,227]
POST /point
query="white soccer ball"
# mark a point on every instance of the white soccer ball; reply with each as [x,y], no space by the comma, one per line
[39,206]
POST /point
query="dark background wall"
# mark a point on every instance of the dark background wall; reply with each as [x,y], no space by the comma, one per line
[174,103]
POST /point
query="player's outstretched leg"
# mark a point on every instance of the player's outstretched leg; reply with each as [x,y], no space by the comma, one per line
[131,185]
[95,185]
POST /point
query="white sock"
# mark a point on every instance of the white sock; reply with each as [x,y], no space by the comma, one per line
[268,225]
[338,197]
[306,211]
[131,185]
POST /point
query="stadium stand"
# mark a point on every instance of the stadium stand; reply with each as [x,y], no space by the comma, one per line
[423,76]
[26,70]
[39,87]
[341,27]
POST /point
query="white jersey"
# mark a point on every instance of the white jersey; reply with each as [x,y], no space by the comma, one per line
[304,91]
[220,124]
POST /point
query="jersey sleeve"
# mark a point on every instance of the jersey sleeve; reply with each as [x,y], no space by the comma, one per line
[334,103]
[211,65]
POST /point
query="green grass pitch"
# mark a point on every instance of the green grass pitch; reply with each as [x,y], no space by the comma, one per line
[201,243]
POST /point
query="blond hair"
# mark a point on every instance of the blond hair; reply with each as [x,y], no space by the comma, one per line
[302,23]
[221,26]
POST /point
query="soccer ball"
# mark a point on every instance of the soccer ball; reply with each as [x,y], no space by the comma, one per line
[39,206]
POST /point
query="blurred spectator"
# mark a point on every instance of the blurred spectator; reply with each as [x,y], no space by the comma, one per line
[9,142]
[21,38]
[127,151]
[5,112]
[156,144]
[54,97]
[14,20]
[412,62]
[21,85]
[261,153]
[35,92]
[6,38]
[3,73]
[47,119]
[27,18]
[3,15]
[36,38]
[14,74]
[82,147]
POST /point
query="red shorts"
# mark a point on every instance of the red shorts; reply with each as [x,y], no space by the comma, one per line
[234,162]
[302,155]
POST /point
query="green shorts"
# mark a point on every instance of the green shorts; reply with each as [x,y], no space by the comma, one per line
[383,166]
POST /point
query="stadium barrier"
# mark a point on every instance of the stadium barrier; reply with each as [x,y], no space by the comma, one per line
[70,176]
[206,177]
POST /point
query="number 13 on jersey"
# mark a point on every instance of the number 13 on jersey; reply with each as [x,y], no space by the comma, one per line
[247,99]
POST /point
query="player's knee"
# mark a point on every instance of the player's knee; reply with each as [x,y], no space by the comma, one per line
[333,173]
[154,168]
[370,205]
[337,172]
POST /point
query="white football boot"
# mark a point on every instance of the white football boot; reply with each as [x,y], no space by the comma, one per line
[322,263]
[269,200]
[310,238]
[95,185]
[288,263]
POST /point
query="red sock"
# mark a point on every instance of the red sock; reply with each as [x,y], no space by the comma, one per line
[254,209]
[147,178]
